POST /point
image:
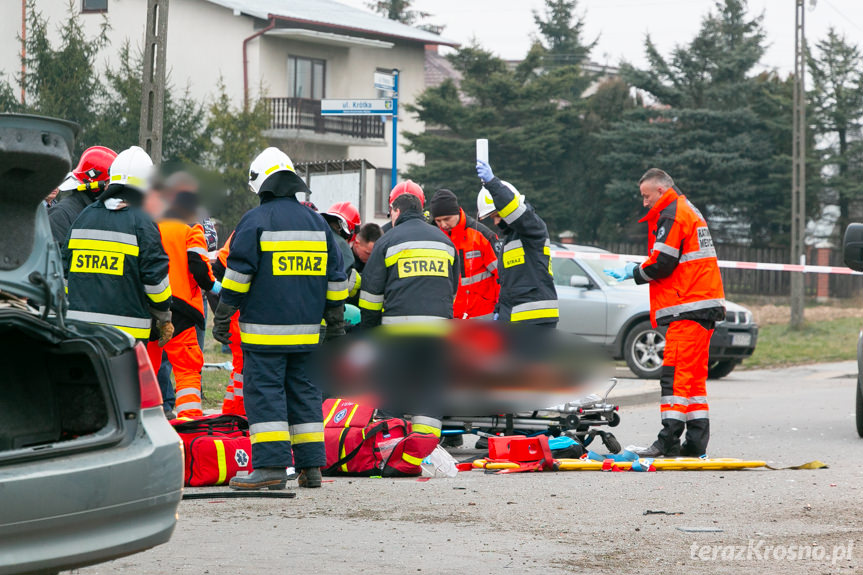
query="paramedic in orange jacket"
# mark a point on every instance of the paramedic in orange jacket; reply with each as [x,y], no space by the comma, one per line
[686,295]
[233,402]
[190,272]
[475,245]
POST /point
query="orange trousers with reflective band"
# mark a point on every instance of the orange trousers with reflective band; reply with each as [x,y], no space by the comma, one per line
[683,380]
[186,358]
[234,401]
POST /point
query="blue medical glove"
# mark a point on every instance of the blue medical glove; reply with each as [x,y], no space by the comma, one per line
[484,172]
[217,287]
[623,273]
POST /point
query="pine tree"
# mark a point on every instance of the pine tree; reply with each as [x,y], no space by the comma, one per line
[400,11]
[525,127]
[234,137]
[714,125]
[119,114]
[533,115]
[62,81]
[9,103]
[836,101]
[561,37]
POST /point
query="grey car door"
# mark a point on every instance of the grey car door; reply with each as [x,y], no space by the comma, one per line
[583,308]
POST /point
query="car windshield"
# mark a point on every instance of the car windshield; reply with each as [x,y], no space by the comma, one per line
[599,265]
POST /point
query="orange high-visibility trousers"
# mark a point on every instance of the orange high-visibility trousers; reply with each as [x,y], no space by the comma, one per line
[186,358]
[683,405]
[234,402]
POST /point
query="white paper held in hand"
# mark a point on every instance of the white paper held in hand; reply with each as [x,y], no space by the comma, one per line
[482,150]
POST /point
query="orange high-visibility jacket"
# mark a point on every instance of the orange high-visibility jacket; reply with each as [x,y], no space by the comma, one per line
[190,268]
[478,286]
[682,268]
[224,252]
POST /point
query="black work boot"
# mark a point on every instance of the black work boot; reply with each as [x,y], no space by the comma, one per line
[269,477]
[452,441]
[310,477]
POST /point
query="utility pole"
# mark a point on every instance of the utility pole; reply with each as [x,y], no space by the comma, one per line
[798,169]
[153,82]
[23,51]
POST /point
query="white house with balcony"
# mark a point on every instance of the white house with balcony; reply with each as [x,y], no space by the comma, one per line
[291,53]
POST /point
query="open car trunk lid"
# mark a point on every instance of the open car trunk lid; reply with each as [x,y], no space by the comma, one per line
[63,389]
[35,155]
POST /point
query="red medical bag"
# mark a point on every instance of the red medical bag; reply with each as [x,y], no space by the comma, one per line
[357,444]
[216,447]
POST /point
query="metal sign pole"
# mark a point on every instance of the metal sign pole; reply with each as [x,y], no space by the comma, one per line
[395,173]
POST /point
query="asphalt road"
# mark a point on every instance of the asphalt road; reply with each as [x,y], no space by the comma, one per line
[794,521]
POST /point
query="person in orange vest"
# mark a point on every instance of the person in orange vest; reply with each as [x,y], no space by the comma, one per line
[686,295]
[190,272]
[233,402]
[478,286]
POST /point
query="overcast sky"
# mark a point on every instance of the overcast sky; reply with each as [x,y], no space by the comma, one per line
[505,26]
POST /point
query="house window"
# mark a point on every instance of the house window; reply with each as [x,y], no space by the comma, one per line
[307,77]
[383,179]
[94,5]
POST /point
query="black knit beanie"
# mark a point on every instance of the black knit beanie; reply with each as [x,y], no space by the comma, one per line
[443,203]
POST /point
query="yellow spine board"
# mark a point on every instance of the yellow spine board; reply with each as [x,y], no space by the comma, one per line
[681,464]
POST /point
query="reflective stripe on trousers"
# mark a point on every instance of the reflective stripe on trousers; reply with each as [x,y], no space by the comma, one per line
[307,433]
[683,380]
[269,431]
[184,354]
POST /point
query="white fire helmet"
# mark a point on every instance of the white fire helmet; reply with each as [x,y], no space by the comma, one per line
[132,168]
[269,162]
[485,203]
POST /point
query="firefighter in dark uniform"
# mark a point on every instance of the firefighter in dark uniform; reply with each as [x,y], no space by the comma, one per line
[408,286]
[406,187]
[411,275]
[527,294]
[284,274]
[116,267]
[86,182]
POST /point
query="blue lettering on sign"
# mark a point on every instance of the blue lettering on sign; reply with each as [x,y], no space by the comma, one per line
[340,415]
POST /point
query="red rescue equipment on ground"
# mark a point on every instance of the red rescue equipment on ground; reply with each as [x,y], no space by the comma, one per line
[358,444]
[216,448]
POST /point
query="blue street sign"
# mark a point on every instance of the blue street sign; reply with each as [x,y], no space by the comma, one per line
[357,107]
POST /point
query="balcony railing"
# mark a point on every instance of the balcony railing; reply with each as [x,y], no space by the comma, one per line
[305,114]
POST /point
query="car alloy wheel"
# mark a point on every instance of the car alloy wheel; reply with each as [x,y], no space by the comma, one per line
[648,348]
[643,350]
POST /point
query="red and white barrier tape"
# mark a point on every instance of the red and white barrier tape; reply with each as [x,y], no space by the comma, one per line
[722,263]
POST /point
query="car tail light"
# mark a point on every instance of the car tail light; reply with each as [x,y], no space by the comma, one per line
[151,395]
